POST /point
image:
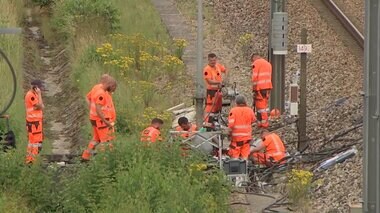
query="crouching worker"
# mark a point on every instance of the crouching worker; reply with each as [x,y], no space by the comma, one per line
[102,116]
[273,147]
[240,122]
[152,133]
[185,125]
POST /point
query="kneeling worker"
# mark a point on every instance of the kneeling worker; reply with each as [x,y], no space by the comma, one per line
[152,133]
[273,146]
[240,122]
[185,125]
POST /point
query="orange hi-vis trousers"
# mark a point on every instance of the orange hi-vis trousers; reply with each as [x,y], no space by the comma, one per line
[213,101]
[102,136]
[35,138]
[239,149]
[261,99]
[265,158]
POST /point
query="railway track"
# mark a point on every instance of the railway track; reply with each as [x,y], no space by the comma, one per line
[345,21]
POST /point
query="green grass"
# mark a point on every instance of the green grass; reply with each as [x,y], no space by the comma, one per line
[140,16]
[132,178]
[136,17]
[12,46]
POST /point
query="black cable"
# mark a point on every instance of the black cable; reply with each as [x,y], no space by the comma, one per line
[14,83]
[275,204]
[239,203]
[252,193]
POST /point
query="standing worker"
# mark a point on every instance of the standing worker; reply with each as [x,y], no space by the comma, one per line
[240,122]
[34,118]
[212,75]
[103,80]
[272,145]
[152,133]
[102,115]
[261,87]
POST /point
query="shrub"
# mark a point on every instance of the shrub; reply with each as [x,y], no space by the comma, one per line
[245,43]
[136,57]
[179,47]
[69,14]
[130,178]
[299,186]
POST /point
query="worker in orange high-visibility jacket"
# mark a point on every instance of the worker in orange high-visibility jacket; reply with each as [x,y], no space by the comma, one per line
[261,87]
[34,118]
[240,122]
[102,116]
[273,147]
[185,125]
[104,78]
[152,133]
[212,75]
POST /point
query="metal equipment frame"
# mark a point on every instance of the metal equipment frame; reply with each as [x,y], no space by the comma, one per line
[215,134]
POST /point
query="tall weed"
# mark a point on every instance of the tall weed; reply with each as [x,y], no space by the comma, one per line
[70,15]
[130,178]
[134,178]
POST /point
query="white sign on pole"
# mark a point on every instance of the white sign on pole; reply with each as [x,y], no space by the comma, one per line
[304,48]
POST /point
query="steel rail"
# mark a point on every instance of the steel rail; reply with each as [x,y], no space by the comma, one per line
[345,21]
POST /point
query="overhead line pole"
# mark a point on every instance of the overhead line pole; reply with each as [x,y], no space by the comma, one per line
[199,94]
[277,50]
[301,123]
[371,130]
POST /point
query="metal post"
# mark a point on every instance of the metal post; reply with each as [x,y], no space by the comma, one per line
[278,64]
[301,124]
[372,108]
[220,144]
[199,94]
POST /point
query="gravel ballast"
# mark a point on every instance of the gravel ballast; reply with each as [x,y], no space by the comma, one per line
[333,72]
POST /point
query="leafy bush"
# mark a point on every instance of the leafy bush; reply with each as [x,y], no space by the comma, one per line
[31,185]
[69,14]
[179,47]
[245,44]
[138,62]
[130,178]
[134,178]
[299,186]
[137,57]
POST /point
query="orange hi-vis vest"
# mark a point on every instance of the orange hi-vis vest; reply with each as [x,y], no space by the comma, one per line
[261,75]
[93,114]
[274,147]
[240,122]
[99,96]
[111,107]
[150,134]
[31,100]
[213,73]
[193,128]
